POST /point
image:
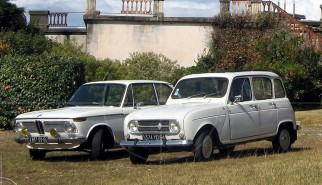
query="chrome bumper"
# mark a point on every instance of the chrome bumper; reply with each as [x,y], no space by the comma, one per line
[298,125]
[53,140]
[158,143]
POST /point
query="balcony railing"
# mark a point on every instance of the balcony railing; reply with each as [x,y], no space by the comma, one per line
[57,19]
[311,38]
[136,7]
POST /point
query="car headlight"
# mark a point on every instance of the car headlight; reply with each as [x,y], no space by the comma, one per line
[133,126]
[174,126]
[70,127]
[19,127]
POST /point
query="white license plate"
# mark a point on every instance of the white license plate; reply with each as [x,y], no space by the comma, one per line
[153,136]
[38,139]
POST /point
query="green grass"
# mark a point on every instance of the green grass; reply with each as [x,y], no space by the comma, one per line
[253,163]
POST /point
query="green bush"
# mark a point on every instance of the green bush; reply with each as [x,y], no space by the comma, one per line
[35,83]
[151,66]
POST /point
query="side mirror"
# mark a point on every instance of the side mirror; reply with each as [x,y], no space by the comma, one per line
[237,99]
[138,105]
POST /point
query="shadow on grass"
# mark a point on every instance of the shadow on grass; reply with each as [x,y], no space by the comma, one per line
[217,156]
[85,157]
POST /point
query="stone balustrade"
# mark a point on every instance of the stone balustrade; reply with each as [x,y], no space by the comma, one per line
[136,7]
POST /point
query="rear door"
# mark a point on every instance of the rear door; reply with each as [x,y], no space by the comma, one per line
[263,94]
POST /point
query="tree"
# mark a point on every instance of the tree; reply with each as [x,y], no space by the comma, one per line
[151,66]
[11,17]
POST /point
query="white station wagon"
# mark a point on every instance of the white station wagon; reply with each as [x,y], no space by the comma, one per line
[92,119]
[214,110]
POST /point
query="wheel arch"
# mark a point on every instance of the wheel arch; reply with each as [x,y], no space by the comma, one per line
[211,129]
[108,135]
[290,126]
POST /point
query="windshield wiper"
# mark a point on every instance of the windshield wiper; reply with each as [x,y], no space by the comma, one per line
[196,95]
[215,93]
[69,104]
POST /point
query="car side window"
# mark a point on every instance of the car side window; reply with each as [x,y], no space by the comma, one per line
[163,92]
[241,87]
[145,94]
[262,88]
[279,89]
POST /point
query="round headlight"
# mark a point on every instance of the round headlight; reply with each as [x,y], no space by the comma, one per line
[19,127]
[174,126]
[133,126]
[24,133]
[70,127]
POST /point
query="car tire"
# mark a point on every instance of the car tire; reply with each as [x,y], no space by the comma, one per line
[283,141]
[98,145]
[138,155]
[37,154]
[226,152]
[203,147]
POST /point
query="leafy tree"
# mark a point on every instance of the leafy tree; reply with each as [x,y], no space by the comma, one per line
[11,17]
[297,64]
[148,65]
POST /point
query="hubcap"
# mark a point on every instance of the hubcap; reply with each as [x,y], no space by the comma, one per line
[284,139]
[207,147]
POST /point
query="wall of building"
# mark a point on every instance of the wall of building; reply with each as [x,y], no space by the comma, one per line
[180,39]
[76,36]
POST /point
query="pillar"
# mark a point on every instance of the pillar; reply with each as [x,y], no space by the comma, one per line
[321,11]
[224,6]
[256,6]
[39,19]
[91,8]
[158,8]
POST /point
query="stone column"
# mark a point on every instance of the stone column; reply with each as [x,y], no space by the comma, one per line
[91,8]
[321,11]
[256,6]
[158,8]
[39,19]
[224,6]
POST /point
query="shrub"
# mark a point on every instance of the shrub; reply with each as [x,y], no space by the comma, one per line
[36,82]
[151,66]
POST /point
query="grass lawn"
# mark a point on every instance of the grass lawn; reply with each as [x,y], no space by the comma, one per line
[253,163]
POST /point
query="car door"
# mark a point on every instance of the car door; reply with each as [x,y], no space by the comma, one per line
[263,93]
[243,112]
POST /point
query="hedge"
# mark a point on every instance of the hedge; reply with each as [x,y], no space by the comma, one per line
[35,83]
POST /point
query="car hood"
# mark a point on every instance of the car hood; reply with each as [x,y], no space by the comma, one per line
[70,112]
[175,111]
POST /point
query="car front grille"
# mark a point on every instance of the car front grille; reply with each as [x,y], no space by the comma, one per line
[154,126]
[41,127]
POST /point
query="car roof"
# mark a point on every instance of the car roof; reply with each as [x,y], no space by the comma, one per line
[127,82]
[231,75]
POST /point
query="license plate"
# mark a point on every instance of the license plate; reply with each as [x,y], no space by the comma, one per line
[38,139]
[153,136]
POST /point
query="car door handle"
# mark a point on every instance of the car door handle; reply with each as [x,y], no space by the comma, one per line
[254,106]
[273,105]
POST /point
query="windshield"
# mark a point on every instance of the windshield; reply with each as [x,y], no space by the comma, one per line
[200,87]
[98,94]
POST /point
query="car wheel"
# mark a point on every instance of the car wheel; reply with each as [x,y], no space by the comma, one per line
[37,154]
[282,141]
[203,147]
[226,151]
[98,145]
[139,155]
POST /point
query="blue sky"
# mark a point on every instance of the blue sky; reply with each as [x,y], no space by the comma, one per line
[182,8]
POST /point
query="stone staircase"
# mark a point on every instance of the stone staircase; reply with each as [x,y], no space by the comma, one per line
[311,38]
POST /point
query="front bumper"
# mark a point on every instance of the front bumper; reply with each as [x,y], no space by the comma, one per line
[156,143]
[76,141]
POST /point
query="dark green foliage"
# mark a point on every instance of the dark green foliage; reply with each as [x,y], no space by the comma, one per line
[24,42]
[36,82]
[151,66]
[95,70]
[296,64]
[11,17]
